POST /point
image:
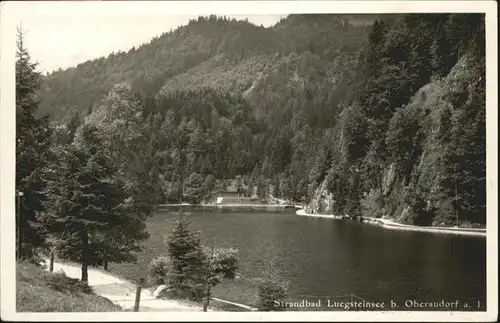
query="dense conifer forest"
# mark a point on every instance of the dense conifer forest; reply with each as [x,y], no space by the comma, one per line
[349,114]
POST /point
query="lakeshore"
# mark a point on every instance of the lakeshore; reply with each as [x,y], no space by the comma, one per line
[231,206]
[390,224]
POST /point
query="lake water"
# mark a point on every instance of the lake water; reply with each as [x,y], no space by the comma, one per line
[339,260]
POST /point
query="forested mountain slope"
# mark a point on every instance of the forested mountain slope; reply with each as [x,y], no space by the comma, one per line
[229,54]
[411,143]
[387,117]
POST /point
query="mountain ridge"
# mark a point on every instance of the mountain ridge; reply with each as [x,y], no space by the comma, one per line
[175,53]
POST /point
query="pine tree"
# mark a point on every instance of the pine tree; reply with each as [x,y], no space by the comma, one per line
[184,248]
[194,188]
[132,141]
[33,139]
[445,125]
[122,239]
[262,188]
[353,194]
[73,124]
[85,201]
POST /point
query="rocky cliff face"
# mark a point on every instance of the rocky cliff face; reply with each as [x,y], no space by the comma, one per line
[322,202]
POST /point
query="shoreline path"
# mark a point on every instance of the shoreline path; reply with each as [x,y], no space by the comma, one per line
[389,224]
[122,292]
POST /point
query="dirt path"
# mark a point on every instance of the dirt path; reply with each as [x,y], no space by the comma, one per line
[389,224]
[122,292]
[448,230]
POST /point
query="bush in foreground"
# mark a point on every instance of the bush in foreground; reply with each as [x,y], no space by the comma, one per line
[62,283]
[159,268]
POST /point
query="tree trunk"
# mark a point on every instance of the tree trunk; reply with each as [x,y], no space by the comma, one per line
[206,301]
[20,242]
[105,262]
[380,182]
[137,298]
[20,230]
[85,254]
[205,304]
[51,266]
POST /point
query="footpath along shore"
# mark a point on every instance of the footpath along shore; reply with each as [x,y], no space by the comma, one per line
[122,292]
[389,224]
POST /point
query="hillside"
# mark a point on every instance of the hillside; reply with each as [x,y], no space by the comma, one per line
[40,291]
[412,146]
[210,51]
[353,114]
[431,106]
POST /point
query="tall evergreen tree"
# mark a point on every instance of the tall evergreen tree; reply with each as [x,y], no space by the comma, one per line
[184,248]
[73,125]
[33,139]
[86,203]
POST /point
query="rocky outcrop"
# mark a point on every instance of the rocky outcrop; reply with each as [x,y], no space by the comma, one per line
[322,202]
[428,104]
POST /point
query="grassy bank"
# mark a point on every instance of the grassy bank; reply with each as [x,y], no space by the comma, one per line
[38,290]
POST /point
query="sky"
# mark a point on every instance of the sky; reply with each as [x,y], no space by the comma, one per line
[64,34]
[61,34]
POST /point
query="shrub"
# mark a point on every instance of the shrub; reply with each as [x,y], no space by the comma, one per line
[217,264]
[222,262]
[469,224]
[62,283]
[37,260]
[372,205]
[419,211]
[159,268]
